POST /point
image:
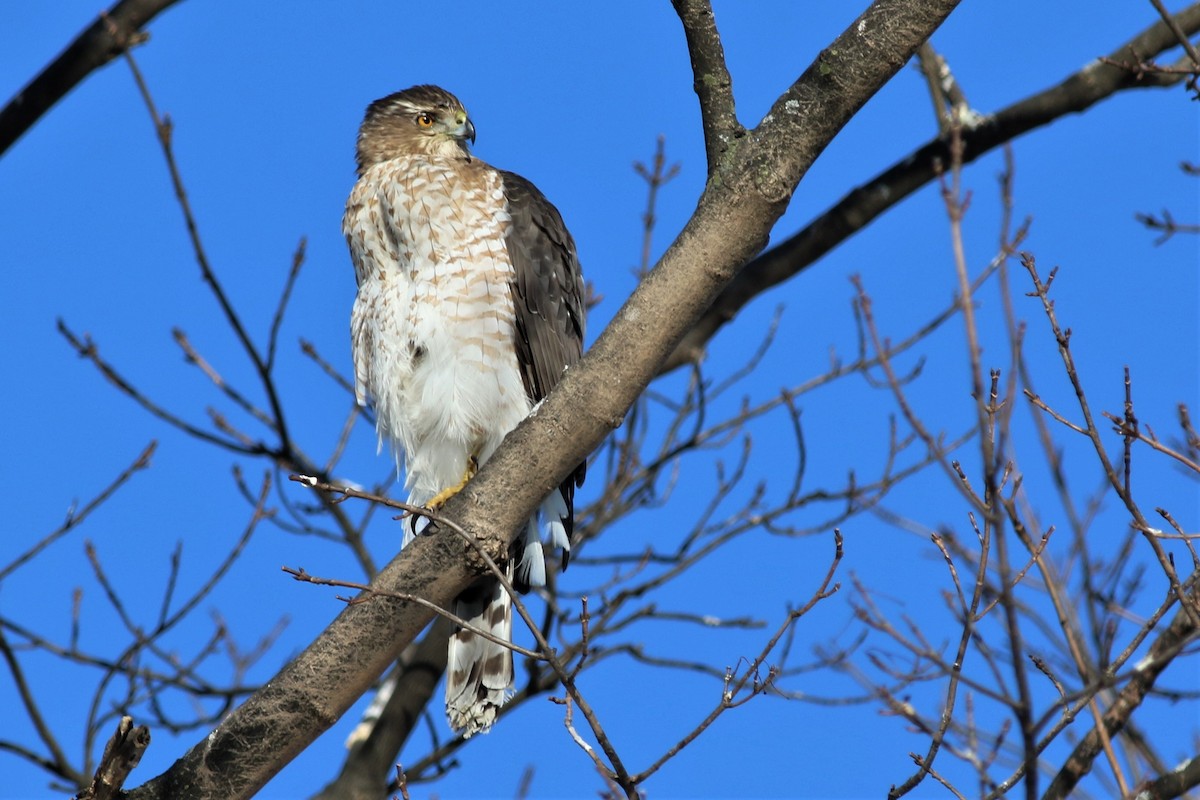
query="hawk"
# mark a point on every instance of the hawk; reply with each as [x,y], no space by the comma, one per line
[469,308]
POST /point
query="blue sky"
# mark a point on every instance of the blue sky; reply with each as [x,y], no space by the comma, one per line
[266,101]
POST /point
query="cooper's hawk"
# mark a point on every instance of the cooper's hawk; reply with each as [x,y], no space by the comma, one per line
[469,309]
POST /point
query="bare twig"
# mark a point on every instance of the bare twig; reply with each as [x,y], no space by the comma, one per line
[733,693]
[656,176]
[163,129]
[76,516]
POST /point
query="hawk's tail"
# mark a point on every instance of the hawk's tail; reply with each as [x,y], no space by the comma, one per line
[479,672]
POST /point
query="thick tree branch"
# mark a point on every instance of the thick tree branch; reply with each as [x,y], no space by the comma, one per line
[364,776]
[1093,83]
[731,224]
[1183,778]
[110,35]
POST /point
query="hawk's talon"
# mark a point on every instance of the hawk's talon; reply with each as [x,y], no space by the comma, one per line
[441,498]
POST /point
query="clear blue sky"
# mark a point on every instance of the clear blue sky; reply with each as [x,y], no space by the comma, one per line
[266,100]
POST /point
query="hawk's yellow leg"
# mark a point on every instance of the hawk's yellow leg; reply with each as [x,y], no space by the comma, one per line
[441,498]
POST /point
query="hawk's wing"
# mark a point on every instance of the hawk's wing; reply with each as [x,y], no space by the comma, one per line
[547,294]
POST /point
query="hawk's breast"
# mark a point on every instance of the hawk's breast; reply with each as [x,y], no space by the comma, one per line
[433,323]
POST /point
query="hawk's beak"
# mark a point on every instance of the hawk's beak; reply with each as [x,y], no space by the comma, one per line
[465,128]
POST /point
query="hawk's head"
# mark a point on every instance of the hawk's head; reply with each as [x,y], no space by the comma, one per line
[423,119]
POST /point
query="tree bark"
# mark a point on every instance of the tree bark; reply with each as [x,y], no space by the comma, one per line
[365,775]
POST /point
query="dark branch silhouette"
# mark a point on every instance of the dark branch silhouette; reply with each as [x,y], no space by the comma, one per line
[110,35]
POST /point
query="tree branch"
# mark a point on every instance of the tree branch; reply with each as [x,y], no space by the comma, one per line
[713,84]
[1163,650]
[111,34]
[365,772]
[1080,91]
[121,755]
[1174,783]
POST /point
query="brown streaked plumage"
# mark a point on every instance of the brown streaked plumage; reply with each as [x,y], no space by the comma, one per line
[469,309]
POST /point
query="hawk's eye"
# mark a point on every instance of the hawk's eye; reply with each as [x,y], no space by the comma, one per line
[424,120]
